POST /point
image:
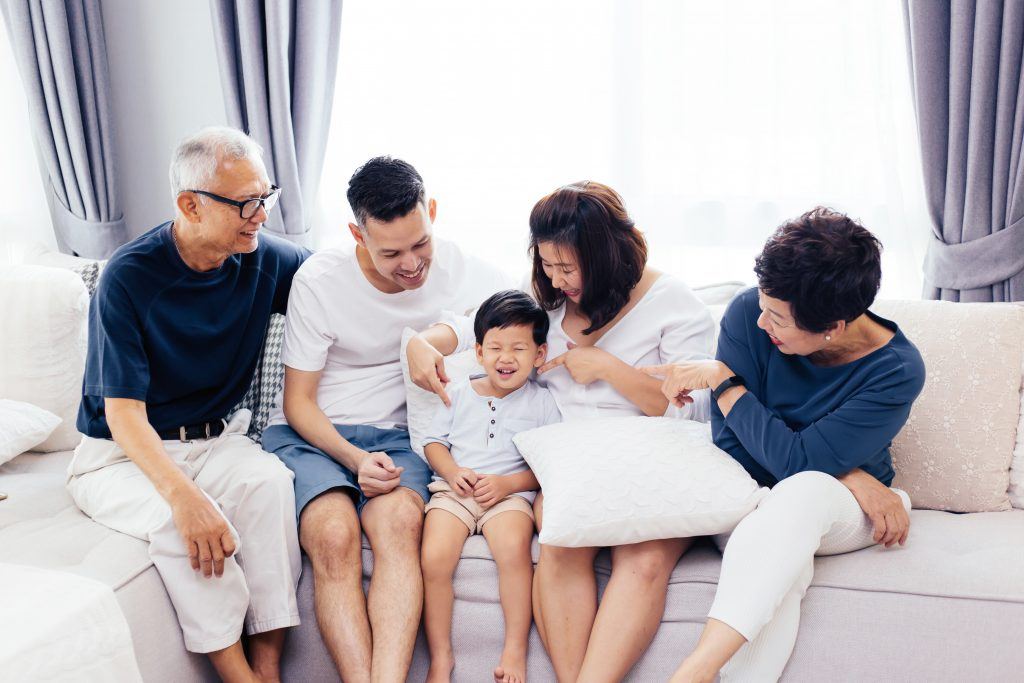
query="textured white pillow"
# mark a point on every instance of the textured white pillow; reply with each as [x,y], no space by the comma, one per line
[23,426]
[43,343]
[614,481]
[420,404]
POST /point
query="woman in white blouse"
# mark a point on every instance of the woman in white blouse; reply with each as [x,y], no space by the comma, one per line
[610,314]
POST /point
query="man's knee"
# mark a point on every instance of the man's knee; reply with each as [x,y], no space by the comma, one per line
[329,533]
[399,512]
[395,517]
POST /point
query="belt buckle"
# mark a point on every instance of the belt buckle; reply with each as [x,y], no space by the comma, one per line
[181,434]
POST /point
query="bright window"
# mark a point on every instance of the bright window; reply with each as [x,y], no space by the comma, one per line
[715,120]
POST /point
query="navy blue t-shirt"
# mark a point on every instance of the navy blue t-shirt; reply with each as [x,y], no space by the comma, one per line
[798,416]
[185,342]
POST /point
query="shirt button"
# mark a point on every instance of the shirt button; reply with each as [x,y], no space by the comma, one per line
[493,408]
[492,436]
[492,421]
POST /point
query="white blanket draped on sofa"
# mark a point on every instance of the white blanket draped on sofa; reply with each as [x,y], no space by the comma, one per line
[58,626]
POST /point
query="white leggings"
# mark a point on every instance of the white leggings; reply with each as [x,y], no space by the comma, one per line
[254,492]
[768,563]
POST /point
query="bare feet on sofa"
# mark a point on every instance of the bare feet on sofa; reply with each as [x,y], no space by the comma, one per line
[440,669]
[512,668]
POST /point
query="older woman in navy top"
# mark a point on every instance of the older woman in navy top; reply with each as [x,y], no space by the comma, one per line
[809,389]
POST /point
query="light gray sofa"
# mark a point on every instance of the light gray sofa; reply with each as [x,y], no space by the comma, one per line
[947,607]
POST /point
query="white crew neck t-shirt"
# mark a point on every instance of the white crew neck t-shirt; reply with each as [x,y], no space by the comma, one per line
[339,323]
[668,325]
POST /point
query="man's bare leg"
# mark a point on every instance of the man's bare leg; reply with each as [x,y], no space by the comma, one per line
[329,533]
[394,524]
[231,664]
[265,654]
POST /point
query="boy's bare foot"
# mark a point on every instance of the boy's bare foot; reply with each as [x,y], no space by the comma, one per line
[512,668]
[440,670]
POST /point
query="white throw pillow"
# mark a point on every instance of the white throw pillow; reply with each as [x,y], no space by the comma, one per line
[43,344]
[614,481]
[23,426]
[420,404]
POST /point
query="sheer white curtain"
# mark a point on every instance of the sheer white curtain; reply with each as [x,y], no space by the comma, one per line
[715,120]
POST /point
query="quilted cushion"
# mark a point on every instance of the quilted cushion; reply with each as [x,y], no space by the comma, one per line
[954,452]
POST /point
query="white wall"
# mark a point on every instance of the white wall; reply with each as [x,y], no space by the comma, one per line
[164,85]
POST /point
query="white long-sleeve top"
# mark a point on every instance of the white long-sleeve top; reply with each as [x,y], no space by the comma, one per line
[668,325]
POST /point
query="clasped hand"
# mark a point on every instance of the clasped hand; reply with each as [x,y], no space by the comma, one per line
[486,489]
[377,474]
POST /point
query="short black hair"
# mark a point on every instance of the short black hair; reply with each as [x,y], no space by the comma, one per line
[384,189]
[507,308]
[825,265]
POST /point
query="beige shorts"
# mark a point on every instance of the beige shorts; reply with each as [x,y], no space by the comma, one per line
[470,512]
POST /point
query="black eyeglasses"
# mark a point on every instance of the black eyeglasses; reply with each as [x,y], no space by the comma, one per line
[247,208]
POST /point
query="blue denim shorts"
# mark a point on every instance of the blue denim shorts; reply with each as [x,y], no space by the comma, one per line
[316,472]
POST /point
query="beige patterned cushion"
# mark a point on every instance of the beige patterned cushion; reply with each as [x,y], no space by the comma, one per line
[954,452]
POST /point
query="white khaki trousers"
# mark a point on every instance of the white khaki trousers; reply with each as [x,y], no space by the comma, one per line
[768,564]
[252,489]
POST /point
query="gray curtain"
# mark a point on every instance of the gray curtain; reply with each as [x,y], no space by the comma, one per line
[966,64]
[278,60]
[62,58]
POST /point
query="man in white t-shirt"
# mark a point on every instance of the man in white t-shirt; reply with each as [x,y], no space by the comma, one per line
[340,423]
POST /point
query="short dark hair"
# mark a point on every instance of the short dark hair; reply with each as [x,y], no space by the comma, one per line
[825,265]
[507,308]
[591,219]
[384,189]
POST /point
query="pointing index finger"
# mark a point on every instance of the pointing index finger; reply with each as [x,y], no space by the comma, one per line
[552,364]
[438,388]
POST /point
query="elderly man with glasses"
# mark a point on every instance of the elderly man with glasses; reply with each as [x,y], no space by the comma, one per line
[176,328]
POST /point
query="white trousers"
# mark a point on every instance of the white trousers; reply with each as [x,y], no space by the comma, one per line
[252,489]
[768,564]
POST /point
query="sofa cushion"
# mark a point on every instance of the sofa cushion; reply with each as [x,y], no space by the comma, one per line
[954,452]
[41,526]
[43,344]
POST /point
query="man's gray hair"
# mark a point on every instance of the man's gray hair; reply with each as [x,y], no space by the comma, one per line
[195,160]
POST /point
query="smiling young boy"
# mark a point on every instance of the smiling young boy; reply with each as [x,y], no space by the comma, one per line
[480,476]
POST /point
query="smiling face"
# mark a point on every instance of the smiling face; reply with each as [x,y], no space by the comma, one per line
[508,354]
[402,249]
[777,321]
[220,227]
[562,268]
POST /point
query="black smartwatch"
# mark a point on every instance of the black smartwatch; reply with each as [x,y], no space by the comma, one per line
[734,381]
